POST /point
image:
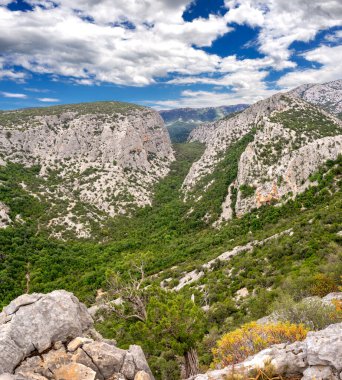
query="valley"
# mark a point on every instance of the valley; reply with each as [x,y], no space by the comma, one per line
[230,224]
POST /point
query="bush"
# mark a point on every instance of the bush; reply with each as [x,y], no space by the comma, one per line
[234,347]
[323,285]
[311,312]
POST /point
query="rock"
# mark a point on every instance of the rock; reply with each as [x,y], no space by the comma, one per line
[77,342]
[5,219]
[74,371]
[319,373]
[318,357]
[35,333]
[36,322]
[139,359]
[329,298]
[325,347]
[108,359]
[142,375]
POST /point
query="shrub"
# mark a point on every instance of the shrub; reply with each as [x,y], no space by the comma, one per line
[323,285]
[237,345]
[311,312]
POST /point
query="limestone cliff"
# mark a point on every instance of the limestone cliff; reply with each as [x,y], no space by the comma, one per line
[105,155]
[326,95]
[292,139]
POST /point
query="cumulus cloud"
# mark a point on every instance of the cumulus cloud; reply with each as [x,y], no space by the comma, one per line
[141,42]
[331,69]
[282,22]
[13,95]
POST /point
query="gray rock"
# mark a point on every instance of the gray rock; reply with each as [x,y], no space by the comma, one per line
[139,359]
[325,347]
[319,373]
[108,359]
[36,322]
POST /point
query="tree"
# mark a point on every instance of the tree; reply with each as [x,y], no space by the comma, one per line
[160,321]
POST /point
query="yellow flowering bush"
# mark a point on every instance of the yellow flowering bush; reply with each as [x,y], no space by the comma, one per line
[250,338]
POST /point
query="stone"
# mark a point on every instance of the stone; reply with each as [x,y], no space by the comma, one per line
[77,342]
[325,347]
[140,359]
[142,375]
[319,373]
[38,321]
[128,367]
[108,359]
[74,371]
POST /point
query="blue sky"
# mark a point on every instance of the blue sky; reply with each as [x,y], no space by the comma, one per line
[164,53]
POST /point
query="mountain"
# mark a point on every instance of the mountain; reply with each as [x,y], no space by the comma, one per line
[239,224]
[286,140]
[92,159]
[326,95]
[181,121]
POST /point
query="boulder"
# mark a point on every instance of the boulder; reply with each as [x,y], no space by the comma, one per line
[51,337]
[34,322]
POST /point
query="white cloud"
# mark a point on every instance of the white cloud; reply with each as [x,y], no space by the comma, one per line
[59,41]
[331,69]
[197,99]
[13,95]
[48,100]
[282,22]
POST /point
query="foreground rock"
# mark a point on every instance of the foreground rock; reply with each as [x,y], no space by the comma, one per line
[318,357]
[52,337]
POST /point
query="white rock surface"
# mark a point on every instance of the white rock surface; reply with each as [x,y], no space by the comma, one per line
[5,219]
[108,159]
[327,95]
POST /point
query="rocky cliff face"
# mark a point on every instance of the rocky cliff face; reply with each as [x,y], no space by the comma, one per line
[326,95]
[291,140]
[105,155]
[51,337]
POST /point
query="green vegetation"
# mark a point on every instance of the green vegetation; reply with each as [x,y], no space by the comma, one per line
[170,240]
[179,131]
[310,121]
[21,117]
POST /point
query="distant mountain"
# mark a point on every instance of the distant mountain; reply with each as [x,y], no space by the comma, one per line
[181,121]
[326,95]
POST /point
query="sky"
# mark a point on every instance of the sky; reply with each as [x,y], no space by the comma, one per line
[164,53]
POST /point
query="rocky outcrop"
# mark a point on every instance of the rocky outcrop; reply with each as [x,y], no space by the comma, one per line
[326,95]
[291,140]
[318,357]
[52,337]
[104,156]
[5,219]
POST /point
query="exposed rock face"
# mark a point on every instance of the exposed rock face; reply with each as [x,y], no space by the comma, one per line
[5,219]
[319,356]
[327,95]
[106,155]
[292,139]
[51,337]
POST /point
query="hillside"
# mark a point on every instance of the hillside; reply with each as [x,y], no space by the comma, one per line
[286,140]
[181,121]
[93,160]
[326,95]
[161,275]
